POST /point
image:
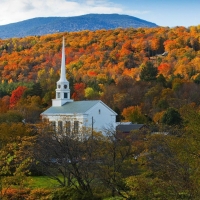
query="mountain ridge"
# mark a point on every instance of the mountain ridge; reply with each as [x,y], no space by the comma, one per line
[49,25]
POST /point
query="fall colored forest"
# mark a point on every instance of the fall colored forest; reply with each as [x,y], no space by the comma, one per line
[147,75]
[145,69]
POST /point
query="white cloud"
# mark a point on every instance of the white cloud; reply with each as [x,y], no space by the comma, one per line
[19,10]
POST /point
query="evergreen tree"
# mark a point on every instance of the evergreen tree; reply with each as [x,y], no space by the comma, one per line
[148,72]
[171,117]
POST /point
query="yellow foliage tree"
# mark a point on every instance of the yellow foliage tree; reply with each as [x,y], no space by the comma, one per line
[134,114]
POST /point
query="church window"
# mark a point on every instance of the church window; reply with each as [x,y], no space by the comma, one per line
[99,111]
[58,95]
[68,127]
[65,86]
[58,86]
[53,125]
[60,126]
[65,95]
[76,127]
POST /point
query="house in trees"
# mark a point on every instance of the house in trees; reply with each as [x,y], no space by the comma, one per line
[124,129]
[128,127]
[72,116]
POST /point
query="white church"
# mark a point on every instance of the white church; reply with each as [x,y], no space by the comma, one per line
[73,116]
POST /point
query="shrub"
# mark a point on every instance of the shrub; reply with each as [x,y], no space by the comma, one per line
[42,194]
[72,194]
[13,194]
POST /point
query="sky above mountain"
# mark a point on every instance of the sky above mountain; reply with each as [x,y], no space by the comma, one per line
[162,12]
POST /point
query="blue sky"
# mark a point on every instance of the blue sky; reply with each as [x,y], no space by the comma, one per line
[162,12]
[168,12]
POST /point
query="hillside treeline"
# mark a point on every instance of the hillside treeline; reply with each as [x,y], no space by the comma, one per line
[145,69]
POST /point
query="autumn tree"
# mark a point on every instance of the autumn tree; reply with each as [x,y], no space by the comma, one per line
[9,132]
[15,162]
[67,158]
[16,95]
[30,108]
[79,91]
[134,114]
[164,69]
[171,162]
[90,93]
[4,104]
[117,162]
[11,117]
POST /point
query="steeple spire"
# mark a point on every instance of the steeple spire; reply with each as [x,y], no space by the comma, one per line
[63,69]
[62,91]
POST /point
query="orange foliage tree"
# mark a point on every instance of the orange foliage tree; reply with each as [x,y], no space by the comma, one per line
[4,104]
[164,69]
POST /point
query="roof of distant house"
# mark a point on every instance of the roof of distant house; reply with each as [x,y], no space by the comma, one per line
[129,127]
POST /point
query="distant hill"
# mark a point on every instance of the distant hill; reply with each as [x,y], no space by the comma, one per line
[47,25]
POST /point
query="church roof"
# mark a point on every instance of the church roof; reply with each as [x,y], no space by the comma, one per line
[75,107]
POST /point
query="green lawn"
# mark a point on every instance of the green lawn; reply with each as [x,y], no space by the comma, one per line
[42,182]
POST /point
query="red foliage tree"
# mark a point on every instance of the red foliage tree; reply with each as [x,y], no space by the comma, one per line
[16,95]
[92,73]
[79,92]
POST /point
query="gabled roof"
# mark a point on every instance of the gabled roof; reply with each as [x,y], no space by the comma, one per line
[75,107]
[129,127]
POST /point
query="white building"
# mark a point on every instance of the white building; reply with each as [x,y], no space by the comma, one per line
[72,116]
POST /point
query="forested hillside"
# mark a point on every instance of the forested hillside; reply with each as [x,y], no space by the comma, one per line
[123,67]
[147,75]
[92,22]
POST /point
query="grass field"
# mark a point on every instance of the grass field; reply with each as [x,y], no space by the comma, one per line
[42,182]
[43,187]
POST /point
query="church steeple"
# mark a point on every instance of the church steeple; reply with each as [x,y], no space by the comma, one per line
[63,69]
[62,90]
